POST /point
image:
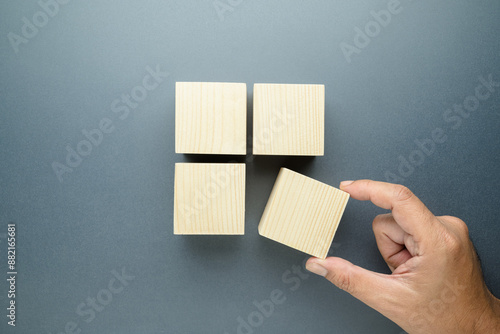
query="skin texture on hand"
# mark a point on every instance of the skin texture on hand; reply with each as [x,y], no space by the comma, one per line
[436,285]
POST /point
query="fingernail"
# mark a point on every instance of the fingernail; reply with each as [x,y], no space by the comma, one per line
[316,269]
[345,183]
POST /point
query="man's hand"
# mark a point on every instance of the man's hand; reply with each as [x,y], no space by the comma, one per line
[436,285]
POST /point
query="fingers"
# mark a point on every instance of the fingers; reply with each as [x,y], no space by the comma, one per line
[390,239]
[408,211]
[375,290]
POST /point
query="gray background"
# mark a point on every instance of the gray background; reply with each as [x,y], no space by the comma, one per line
[115,210]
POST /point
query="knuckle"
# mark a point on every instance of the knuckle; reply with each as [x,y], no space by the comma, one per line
[343,281]
[461,226]
[458,224]
[454,244]
[403,193]
[368,183]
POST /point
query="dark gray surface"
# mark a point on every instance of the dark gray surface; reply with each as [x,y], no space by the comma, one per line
[114,210]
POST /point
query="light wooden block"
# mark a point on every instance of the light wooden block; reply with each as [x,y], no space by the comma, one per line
[303,213]
[209,198]
[288,119]
[210,117]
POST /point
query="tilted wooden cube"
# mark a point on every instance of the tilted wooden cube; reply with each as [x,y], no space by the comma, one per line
[209,198]
[288,119]
[303,213]
[210,118]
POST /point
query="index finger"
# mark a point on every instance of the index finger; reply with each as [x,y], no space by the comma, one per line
[408,211]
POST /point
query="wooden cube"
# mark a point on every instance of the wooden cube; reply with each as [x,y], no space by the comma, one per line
[209,198]
[303,213]
[288,119]
[210,117]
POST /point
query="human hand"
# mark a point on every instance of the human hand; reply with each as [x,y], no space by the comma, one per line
[436,285]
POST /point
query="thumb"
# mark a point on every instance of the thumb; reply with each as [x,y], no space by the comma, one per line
[375,290]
